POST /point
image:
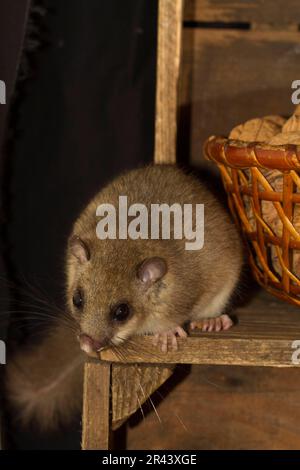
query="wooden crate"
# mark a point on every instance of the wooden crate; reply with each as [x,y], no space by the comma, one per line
[239,60]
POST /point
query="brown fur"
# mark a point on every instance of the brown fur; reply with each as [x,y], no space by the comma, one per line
[44,383]
[190,288]
[193,279]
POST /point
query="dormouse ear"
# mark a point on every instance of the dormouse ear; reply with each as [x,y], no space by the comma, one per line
[79,249]
[152,269]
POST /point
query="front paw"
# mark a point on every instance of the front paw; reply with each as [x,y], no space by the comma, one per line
[167,340]
[223,322]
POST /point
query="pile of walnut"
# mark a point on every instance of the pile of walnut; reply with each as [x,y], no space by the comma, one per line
[273,130]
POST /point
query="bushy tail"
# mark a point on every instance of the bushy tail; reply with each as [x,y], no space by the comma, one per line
[44,382]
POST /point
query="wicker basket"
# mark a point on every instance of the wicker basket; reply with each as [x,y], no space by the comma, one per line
[248,171]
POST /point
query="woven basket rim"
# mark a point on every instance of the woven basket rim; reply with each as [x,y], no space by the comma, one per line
[241,154]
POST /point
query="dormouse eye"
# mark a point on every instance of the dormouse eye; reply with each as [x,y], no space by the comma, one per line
[121,312]
[78,299]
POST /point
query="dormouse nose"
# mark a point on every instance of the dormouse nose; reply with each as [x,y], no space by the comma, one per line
[90,345]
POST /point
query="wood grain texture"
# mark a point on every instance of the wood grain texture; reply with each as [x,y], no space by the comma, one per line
[132,385]
[223,407]
[264,336]
[220,351]
[168,60]
[258,11]
[96,419]
[231,76]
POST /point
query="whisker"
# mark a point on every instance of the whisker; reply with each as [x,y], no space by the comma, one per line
[36,295]
[34,315]
[152,404]
[140,407]
[175,414]
[119,353]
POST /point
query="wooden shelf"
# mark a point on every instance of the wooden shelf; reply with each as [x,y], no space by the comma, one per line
[264,336]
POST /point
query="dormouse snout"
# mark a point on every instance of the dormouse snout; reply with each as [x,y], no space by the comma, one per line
[91,346]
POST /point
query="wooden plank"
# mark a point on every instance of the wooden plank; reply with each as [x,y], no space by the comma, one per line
[96,417]
[231,76]
[168,59]
[214,407]
[132,385]
[264,336]
[220,351]
[258,11]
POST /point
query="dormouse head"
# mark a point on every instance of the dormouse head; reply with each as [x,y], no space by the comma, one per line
[113,293]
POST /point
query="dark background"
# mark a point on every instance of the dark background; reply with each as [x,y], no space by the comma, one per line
[84,112]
